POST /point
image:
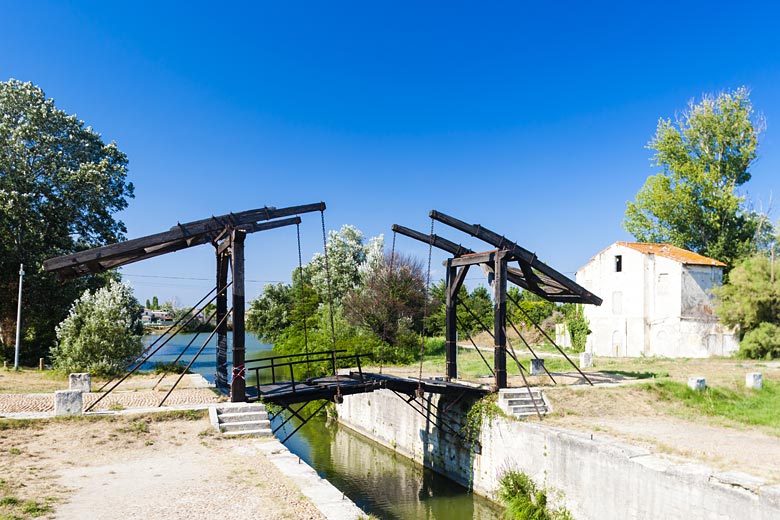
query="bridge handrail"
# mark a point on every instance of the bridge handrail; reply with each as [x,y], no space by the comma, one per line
[329,352]
[273,366]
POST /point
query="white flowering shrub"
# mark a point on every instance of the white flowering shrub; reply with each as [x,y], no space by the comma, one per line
[102,333]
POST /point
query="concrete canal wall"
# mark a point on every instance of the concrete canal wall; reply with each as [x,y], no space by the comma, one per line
[597,478]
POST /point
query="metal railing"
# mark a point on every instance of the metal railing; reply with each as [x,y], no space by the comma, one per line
[274,364]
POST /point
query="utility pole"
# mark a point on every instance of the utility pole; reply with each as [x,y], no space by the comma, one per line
[18,318]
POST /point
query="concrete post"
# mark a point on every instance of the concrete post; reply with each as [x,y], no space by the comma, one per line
[697,384]
[586,360]
[537,366]
[68,402]
[754,381]
[81,381]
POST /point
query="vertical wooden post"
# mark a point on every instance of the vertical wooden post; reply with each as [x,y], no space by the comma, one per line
[499,321]
[451,325]
[220,377]
[238,384]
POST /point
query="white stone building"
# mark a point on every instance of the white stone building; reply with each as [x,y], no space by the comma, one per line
[657,302]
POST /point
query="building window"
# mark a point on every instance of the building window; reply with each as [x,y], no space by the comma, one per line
[618,263]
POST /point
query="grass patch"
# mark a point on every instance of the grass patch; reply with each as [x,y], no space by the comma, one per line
[472,366]
[753,407]
[36,509]
[636,375]
[525,500]
[9,501]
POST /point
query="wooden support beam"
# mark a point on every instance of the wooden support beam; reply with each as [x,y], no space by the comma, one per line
[220,377]
[488,257]
[499,318]
[520,253]
[514,274]
[238,383]
[178,237]
[454,282]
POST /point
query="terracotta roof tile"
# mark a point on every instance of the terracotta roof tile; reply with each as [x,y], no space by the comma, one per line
[677,254]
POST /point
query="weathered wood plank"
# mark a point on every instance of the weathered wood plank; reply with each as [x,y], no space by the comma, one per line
[178,237]
[521,253]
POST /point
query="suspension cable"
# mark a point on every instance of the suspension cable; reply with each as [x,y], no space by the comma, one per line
[513,300]
[425,309]
[181,354]
[337,397]
[157,349]
[161,336]
[303,299]
[390,279]
[195,357]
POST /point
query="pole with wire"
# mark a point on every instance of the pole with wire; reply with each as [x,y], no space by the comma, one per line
[18,318]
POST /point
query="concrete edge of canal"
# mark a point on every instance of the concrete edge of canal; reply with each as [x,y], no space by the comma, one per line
[593,477]
[331,502]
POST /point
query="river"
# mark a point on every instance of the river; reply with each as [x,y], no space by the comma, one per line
[377,479]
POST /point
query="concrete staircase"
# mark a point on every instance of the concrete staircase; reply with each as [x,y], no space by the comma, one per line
[517,402]
[240,419]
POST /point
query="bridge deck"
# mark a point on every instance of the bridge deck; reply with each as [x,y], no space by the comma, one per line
[286,392]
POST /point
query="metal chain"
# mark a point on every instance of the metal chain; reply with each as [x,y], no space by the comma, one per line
[425,307]
[391,301]
[303,299]
[330,303]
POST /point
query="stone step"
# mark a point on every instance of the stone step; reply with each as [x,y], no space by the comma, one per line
[240,408]
[526,400]
[259,432]
[243,426]
[242,417]
[527,409]
[519,395]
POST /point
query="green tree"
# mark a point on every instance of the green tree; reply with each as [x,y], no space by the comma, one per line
[693,202]
[751,300]
[60,186]
[347,258]
[390,304]
[155,303]
[269,315]
[102,332]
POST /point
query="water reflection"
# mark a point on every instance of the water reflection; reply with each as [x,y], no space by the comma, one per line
[379,480]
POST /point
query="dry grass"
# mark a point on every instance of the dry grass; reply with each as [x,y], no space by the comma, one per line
[31,381]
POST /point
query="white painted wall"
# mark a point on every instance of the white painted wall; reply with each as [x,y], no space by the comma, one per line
[598,478]
[654,307]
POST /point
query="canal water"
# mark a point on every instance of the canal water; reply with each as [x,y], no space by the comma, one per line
[377,479]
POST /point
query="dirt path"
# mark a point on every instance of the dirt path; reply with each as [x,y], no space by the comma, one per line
[635,416]
[130,467]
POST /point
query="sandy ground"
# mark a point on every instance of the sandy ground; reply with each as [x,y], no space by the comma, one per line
[148,466]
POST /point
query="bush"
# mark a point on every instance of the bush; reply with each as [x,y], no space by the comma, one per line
[761,342]
[525,501]
[102,333]
[579,328]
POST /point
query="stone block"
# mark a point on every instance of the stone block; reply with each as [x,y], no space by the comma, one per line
[68,402]
[754,380]
[697,384]
[586,360]
[81,382]
[537,367]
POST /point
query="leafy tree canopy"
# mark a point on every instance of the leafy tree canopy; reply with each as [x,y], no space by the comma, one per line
[693,202]
[751,300]
[102,333]
[60,186]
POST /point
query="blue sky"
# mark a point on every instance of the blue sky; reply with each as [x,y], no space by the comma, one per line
[530,119]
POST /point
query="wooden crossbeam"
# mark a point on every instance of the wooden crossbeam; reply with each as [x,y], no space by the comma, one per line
[522,254]
[514,275]
[179,237]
